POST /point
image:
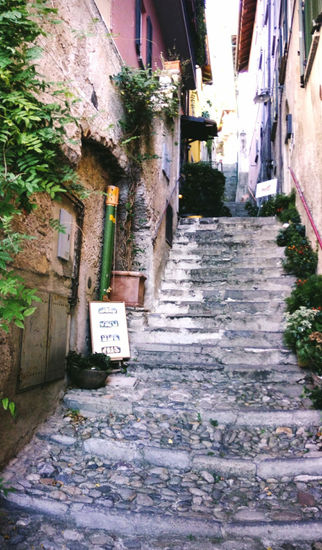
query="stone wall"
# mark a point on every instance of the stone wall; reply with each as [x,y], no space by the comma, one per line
[81,52]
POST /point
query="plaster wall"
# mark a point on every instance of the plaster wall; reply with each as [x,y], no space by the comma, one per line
[303,152]
[123,30]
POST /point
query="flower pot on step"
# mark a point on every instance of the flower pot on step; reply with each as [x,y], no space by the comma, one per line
[128,287]
[174,65]
[89,379]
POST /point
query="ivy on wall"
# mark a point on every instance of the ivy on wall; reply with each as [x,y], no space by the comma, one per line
[144,96]
[31,135]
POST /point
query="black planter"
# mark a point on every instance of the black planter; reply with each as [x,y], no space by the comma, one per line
[89,379]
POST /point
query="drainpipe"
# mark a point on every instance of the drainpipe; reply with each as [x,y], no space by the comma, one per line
[109,231]
[269,85]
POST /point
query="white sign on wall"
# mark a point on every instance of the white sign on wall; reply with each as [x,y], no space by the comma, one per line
[109,329]
[265,188]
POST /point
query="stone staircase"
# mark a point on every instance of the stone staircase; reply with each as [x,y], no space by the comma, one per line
[237,209]
[208,441]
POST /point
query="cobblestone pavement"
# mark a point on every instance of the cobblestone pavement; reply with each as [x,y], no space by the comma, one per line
[207,445]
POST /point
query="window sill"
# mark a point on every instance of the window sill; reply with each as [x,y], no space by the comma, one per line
[311,57]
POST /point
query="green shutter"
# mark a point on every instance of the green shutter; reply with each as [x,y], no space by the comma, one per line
[312,9]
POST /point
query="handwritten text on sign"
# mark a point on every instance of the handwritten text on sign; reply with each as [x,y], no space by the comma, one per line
[109,329]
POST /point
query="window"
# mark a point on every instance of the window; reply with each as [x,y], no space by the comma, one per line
[138,26]
[169,225]
[310,22]
[311,10]
[149,42]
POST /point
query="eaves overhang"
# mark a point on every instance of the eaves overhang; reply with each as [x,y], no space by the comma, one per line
[197,128]
[247,13]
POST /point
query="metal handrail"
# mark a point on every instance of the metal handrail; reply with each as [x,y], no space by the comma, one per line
[306,207]
[164,211]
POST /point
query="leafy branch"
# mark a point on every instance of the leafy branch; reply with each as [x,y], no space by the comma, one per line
[31,137]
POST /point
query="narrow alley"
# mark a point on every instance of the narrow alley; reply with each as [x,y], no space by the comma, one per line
[208,441]
[160,275]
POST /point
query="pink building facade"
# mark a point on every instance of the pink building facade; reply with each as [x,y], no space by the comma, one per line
[137,33]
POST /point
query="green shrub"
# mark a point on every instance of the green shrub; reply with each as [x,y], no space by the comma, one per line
[293,234]
[307,293]
[252,208]
[301,260]
[203,190]
[288,215]
[282,206]
[303,335]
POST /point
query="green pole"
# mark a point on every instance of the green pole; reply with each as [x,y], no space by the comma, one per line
[109,231]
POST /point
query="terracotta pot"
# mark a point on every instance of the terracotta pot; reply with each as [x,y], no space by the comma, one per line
[128,287]
[174,65]
[88,379]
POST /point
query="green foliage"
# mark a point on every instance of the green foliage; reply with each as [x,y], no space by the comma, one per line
[143,96]
[293,234]
[298,326]
[307,293]
[202,189]
[282,206]
[303,335]
[300,260]
[97,361]
[315,395]
[200,36]
[4,490]
[252,208]
[31,135]
[8,405]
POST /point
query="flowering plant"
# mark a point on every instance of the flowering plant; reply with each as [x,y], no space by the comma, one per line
[303,335]
[301,260]
[308,293]
[299,326]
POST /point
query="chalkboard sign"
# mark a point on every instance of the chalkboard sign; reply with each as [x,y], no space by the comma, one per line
[109,329]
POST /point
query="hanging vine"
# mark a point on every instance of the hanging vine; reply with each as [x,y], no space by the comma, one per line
[145,95]
[31,136]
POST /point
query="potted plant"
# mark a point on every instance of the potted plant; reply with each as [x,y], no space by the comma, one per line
[128,287]
[90,371]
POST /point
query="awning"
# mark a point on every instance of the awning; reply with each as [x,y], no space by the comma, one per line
[197,128]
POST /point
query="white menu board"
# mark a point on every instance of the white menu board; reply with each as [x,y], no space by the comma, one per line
[109,329]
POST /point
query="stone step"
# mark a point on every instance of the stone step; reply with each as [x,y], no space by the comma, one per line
[237,208]
[266,374]
[222,295]
[217,356]
[33,529]
[196,337]
[199,339]
[244,282]
[237,321]
[174,306]
[96,481]
[291,524]
[187,251]
[195,261]
[224,391]
[236,224]
[226,240]
[215,273]
[250,221]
